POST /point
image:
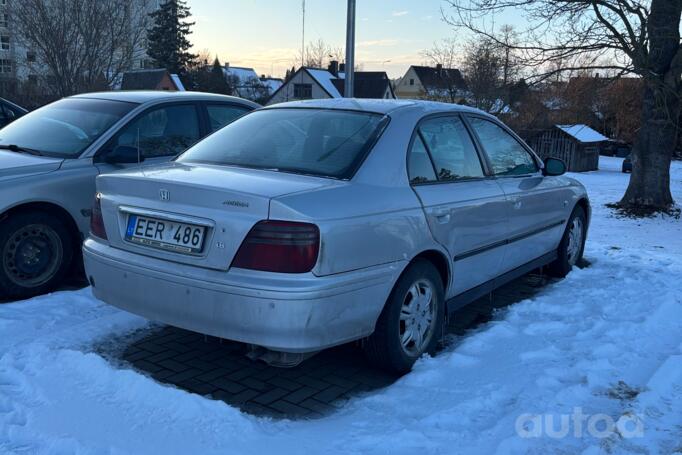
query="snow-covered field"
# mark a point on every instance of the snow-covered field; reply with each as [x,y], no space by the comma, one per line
[548,375]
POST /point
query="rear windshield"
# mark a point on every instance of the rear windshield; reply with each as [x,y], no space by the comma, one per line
[327,143]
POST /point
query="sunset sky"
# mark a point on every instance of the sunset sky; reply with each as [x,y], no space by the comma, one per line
[266,34]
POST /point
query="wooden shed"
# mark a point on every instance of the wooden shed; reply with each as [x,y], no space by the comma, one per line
[577,145]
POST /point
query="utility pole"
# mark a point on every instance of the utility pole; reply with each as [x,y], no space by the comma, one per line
[350,51]
[303,35]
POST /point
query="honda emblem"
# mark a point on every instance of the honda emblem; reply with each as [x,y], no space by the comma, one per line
[164,195]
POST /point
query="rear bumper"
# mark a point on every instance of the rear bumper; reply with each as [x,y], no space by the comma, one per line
[289,313]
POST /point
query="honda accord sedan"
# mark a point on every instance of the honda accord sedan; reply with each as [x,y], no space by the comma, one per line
[311,224]
[50,157]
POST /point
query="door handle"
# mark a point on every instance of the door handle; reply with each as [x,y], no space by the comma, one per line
[442,215]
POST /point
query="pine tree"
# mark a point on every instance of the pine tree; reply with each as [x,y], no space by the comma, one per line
[168,37]
[217,83]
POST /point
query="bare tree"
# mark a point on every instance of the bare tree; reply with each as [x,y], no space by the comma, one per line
[622,36]
[445,52]
[446,84]
[81,45]
[483,70]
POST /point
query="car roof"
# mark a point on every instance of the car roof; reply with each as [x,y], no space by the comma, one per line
[380,106]
[145,96]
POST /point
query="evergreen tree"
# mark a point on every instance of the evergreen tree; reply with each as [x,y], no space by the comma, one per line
[217,82]
[168,37]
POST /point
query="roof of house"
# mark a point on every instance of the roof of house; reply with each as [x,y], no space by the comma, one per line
[178,83]
[583,133]
[242,73]
[434,77]
[367,84]
[272,83]
[325,79]
[143,79]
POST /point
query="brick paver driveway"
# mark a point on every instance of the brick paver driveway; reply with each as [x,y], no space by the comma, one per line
[220,370]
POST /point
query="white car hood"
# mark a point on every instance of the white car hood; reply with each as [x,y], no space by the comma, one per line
[13,165]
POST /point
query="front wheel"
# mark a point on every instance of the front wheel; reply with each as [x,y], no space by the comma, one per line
[37,250]
[411,322]
[572,245]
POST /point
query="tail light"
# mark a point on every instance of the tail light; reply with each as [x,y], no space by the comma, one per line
[279,246]
[96,220]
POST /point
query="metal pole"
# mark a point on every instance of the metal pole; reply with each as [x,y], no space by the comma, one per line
[350,51]
[303,34]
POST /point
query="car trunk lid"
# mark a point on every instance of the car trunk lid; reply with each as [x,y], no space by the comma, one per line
[225,201]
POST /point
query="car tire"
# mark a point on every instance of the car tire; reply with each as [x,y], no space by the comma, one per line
[387,347]
[572,246]
[36,253]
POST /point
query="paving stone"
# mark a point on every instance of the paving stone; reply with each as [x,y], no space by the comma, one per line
[173,365]
[340,381]
[167,354]
[239,398]
[183,376]
[312,382]
[330,394]
[147,366]
[139,355]
[259,410]
[270,396]
[285,383]
[255,384]
[215,373]
[152,347]
[301,394]
[228,386]
[162,374]
[241,373]
[289,409]
[200,364]
[316,406]
[198,387]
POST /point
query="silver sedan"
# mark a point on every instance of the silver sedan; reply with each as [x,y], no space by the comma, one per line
[310,224]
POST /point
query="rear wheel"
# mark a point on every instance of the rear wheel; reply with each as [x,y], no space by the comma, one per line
[572,245]
[411,322]
[37,251]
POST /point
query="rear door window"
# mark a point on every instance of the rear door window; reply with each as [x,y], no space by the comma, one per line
[507,156]
[220,115]
[164,131]
[451,148]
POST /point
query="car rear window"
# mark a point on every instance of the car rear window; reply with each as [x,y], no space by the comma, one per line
[321,142]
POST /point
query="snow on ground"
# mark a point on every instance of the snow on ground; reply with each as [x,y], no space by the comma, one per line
[602,346]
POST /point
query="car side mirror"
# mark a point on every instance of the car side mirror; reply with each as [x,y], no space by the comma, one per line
[123,154]
[554,167]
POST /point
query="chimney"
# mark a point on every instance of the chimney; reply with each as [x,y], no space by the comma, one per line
[342,68]
[439,69]
[334,67]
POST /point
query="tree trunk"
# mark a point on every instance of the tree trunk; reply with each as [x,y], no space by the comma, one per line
[649,187]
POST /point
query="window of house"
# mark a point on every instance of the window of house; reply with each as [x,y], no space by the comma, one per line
[30,57]
[4,42]
[303,91]
[411,81]
[5,66]
[4,20]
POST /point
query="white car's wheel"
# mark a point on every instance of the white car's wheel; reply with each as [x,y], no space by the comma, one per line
[412,320]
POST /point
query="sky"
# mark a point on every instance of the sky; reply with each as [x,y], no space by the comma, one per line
[266,34]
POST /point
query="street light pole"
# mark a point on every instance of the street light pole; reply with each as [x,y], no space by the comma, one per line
[350,51]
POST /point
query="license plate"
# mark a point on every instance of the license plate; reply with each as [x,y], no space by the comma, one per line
[165,234]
